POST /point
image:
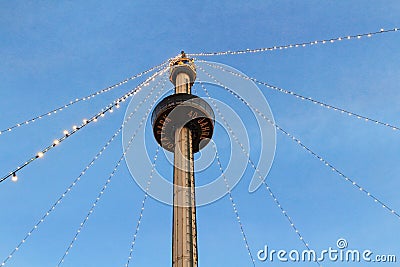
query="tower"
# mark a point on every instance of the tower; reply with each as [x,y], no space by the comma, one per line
[183,124]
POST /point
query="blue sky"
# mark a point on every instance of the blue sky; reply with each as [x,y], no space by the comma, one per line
[54,52]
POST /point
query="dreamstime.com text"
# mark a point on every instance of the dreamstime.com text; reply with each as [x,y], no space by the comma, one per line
[339,254]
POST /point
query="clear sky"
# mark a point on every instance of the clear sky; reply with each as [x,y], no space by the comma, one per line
[54,52]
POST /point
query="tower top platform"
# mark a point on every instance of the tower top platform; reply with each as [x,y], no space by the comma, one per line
[182,64]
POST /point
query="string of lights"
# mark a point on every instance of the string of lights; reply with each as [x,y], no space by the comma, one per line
[85,122]
[101,193]
[246,153]
[234,205]
[76,181]
[143,206]
[88,97]
[246,243]
[295,45]
[321,159]
[298,96]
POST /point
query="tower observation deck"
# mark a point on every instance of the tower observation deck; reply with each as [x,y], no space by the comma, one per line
[183,124]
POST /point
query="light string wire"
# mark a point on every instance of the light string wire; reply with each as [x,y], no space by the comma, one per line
[320,158]
[298,96]
[246,153]
[125,151]
[85,122]
[91,96]
[146,194]
[295,45]
[75,182]
[228,188]
[235,210]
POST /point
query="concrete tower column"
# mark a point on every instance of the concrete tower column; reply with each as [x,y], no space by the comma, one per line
[184,236]
[183,124]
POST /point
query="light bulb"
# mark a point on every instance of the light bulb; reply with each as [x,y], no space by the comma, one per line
[56,142]
[74,127]
[65,132]
[14,177]
[40,154]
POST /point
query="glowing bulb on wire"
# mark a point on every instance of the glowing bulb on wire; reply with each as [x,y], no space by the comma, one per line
[14,177]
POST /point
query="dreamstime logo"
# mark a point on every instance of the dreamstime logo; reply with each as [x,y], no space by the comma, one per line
[341,254]
[341,243]
[240,135]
